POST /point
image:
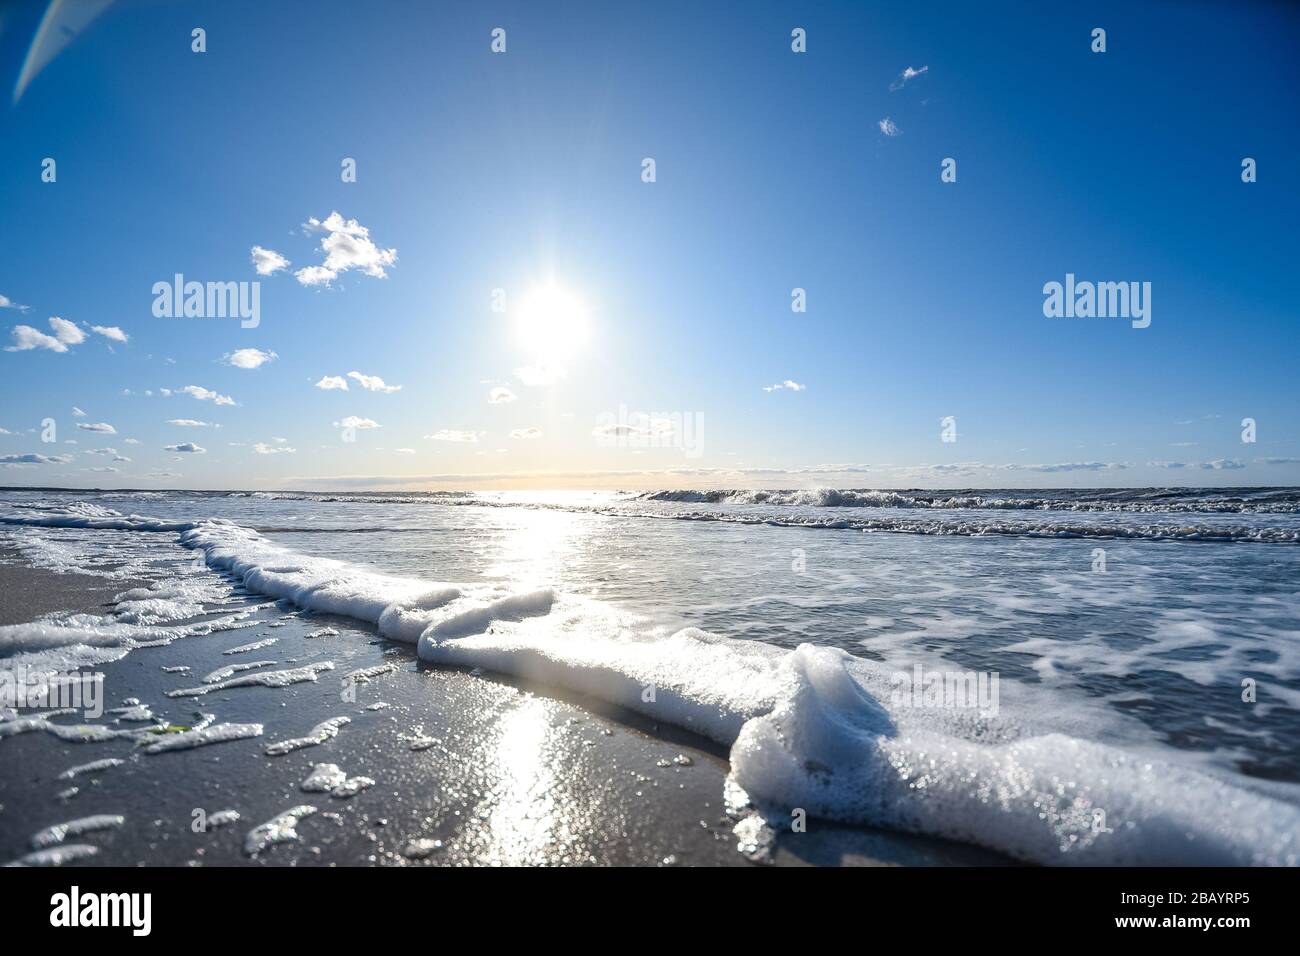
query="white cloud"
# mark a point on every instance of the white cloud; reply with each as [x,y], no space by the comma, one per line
[372,383]
[534,375]
[66,332]
[789,384]
[906,75]
[352,421]
[501,395]
[188,447]
[405,451]
[347,245]
[314,275]
[1074,466]
[103,427]
[453,434]
[268,261]
[8,303]
[27,338]
[34,459]
[206,395]
[526,433]
[131,441]
[248,358]
[110,332]
[889,127]
[646,428]
[77,412]
[1223,464]
[262,448]
[188,422]
[332,382]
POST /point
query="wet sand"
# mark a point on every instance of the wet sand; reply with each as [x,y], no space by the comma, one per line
[496,772]
[27,593]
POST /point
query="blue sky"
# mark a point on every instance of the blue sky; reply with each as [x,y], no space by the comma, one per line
[522,171]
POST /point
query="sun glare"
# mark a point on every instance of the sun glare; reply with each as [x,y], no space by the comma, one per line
[551,321]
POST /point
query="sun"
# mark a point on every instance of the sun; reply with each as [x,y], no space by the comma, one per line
[551,321]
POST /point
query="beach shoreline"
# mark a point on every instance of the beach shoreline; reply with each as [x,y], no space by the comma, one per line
[491,770]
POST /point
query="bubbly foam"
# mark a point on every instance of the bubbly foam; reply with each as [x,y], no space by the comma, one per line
[812,728]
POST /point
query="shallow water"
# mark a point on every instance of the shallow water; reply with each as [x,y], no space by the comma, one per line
[1142,648]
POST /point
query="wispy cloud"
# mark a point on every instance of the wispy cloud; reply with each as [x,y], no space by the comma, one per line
[262,448]
[907,74]
[188,447]
[330,382]
[188,423]
[453,434]
[34,459]
[501,395]
[526,433]
[372,383]
[889,127]
[354,421]
[1073,466]
[8,303]
[101,427]
[207,395]
[787,385]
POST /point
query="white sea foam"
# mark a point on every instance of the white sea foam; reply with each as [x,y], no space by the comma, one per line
[363,675]
[222,818]
[809,728]
[56,856]
[279,829]
[223,672]
[202,737]
[328,778]
[255,646]
[293,675]
[325,730]
[93,767]
[54,835]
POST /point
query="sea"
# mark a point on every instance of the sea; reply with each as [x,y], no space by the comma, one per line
[1106,677]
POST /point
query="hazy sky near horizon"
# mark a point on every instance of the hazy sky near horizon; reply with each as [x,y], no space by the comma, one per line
[510,304]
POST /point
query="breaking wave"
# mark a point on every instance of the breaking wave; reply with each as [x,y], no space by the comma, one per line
[813,728]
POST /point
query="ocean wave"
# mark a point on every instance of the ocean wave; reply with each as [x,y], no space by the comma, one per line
[82,514]
[807,728]
[1143,500]
[812,728]
[982,526]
